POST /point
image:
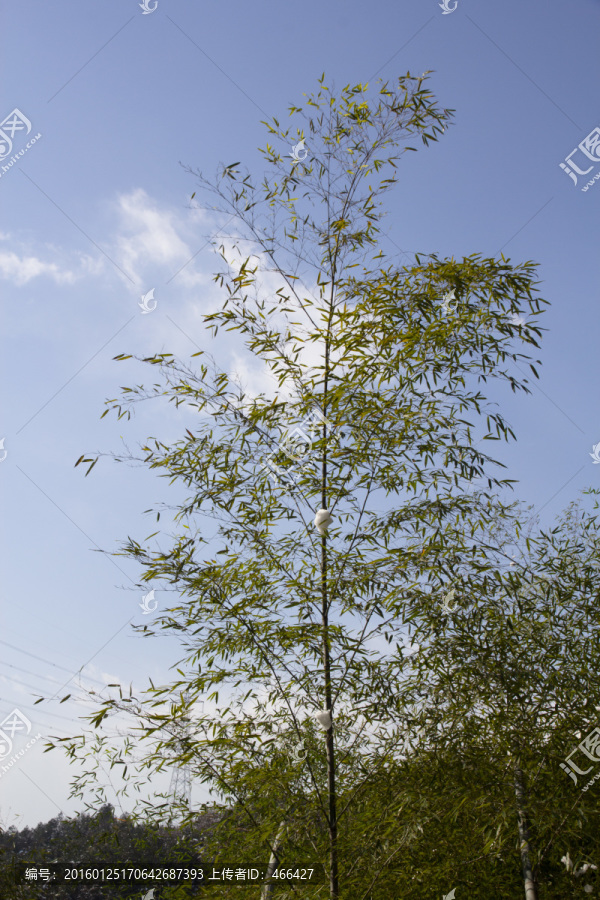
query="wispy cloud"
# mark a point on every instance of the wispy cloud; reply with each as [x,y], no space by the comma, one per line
[21,268]
[148,235]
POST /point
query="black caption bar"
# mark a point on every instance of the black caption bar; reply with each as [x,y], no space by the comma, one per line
[155,875]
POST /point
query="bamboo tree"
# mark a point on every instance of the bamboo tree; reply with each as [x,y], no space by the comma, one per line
[530,888]
[267,890]
[512,670]
[395,381]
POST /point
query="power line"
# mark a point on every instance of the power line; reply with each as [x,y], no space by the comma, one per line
[50,724]
[49,663]
[36,708]
[28,672]
[33,688]
[44,678]
[45,711]
[14,683]
[56,728]
[56,666]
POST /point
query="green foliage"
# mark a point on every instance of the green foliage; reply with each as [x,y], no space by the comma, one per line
[99,838]
[289,622]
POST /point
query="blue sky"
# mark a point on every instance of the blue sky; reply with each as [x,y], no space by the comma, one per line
[97,212]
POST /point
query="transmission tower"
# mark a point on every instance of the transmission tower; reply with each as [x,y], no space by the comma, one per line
[181,778]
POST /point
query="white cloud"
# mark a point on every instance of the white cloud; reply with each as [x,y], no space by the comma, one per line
[148,235]
[161,247]
[21,269]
